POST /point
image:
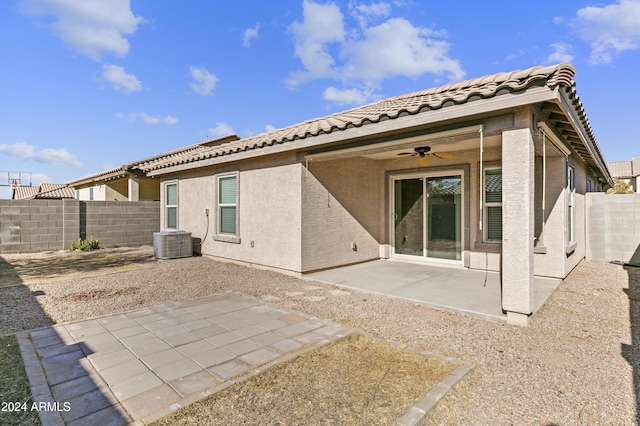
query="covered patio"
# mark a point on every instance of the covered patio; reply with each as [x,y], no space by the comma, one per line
[465,291]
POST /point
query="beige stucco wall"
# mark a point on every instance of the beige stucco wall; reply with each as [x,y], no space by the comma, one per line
[149,189]
[341,206]
[99,193]
[269,211]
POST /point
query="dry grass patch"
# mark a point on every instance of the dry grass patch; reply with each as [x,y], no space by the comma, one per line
[15,394]
[353,380]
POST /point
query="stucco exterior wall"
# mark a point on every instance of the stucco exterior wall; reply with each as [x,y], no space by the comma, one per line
[573,258]
[116,191]
[99,193]
[341,207]
[269,211]
[549,260]
[149,189]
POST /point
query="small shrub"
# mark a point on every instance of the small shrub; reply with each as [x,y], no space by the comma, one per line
[85,245]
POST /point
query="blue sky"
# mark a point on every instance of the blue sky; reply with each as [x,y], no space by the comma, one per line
[87,85]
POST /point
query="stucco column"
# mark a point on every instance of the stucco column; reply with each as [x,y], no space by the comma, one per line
[134,188]
[517,225]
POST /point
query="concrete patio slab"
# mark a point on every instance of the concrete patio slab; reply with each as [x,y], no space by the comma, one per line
[466,291]
[139,365]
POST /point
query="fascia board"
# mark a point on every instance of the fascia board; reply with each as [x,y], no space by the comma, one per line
[565,104]
[507,101]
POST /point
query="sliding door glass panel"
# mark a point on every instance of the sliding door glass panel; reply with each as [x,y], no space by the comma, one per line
[444,217]
[409,217]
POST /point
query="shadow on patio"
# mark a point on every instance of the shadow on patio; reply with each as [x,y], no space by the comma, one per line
[68,393]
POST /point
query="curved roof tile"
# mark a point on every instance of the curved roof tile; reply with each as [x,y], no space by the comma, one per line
[392,108]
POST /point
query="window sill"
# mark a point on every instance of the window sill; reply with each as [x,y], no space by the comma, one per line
[490,246]
[227,238]
[571,248]
[540,249]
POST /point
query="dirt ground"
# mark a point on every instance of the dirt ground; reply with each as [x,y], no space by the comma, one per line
[354,380]
[576,363]
[29,268]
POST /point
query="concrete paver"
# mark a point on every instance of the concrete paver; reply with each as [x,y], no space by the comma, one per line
[139,365]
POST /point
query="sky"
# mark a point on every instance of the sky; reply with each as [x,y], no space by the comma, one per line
[89,85]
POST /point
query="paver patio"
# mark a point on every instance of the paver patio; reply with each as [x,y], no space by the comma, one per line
[143,364]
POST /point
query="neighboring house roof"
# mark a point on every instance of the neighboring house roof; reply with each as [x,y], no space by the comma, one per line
[576,130]
[44,191]
[24,192]
[133,167]
[625,169]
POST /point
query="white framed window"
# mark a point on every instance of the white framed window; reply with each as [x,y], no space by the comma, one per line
[227,217]
[571,199]
[91,194]
[171,205]
[492,217]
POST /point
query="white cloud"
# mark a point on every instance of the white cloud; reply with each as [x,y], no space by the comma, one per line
[221,129]
[366,14]
[148,119]
[322,25]
[38,178]
[203,81]
[120,80]
[397,48]
[269,128]
[91,27]
[24,151]
[250,34]
[346,96]
[362,58]
[609,29]
[562,52]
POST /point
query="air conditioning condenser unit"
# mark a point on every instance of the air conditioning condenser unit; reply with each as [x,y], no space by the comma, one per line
[172,244]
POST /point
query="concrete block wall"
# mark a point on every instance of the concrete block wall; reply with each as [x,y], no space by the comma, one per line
[613,227]
[37,225]
[117,223]
[42,225]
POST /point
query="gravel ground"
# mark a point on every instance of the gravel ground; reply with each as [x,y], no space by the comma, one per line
[574,364]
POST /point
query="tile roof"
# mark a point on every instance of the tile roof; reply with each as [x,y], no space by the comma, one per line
[390,108]
[135,166]
[625,169]
[44,191]
[24,192]
[572,121]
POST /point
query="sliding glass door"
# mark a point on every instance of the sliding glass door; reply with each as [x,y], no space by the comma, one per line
[427,216]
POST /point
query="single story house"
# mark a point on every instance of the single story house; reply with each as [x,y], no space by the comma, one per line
[44,191]
[627,172]
[488,173]
[128,182]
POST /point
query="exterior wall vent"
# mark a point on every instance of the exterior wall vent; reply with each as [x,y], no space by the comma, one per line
[172,244]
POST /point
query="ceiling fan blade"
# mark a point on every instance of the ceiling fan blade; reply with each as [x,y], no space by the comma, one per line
[423,161]
[446,155]
[406,153]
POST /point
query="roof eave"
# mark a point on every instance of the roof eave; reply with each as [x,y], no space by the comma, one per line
[397,125]
[566,105]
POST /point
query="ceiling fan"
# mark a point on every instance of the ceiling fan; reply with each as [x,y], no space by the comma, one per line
[424,152]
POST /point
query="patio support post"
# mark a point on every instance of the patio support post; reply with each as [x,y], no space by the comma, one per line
[517,224]
[133,188]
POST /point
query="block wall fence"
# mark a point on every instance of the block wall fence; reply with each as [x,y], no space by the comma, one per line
[42,225]
[613,228]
